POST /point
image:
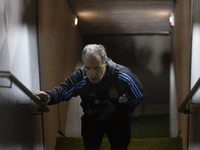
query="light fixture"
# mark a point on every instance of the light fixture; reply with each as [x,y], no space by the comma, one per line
[76,21]
[171,19]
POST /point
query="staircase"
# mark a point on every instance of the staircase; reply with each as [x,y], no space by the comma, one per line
[66,143]
[148,133]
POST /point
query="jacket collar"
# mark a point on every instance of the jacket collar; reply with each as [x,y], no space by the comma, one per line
[111,67]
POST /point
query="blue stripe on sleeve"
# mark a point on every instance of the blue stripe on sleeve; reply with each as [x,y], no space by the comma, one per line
[134,88]
[67,95]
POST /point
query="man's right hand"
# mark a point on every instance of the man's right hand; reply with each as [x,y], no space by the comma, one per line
[43,96]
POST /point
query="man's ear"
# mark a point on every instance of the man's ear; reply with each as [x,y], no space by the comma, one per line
[106,62]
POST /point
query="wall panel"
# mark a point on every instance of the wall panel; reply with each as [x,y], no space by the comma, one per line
[60,46]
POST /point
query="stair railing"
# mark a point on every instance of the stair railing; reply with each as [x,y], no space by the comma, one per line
[13,79]
[188,98]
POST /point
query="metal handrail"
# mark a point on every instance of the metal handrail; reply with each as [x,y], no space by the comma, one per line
[189,96]
[12,78]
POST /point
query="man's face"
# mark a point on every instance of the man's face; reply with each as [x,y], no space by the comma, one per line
[95,70]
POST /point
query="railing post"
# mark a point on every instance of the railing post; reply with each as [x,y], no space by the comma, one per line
[189,96]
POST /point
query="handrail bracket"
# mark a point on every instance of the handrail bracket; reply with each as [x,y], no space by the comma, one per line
[187,111]
[13,79]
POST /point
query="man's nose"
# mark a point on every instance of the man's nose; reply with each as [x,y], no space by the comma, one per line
[92,73]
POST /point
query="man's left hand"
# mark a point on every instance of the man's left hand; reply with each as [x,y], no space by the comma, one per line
[107,113]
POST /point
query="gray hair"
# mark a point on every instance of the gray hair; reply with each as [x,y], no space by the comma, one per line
[91,48]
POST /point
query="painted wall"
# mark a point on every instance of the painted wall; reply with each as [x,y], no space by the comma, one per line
[181,61]
[19,55]
[194,117]
[60,46]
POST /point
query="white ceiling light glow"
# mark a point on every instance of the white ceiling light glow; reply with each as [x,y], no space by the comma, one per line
[171,19]
[76,21]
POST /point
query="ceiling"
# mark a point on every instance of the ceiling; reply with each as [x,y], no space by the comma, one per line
[123,16]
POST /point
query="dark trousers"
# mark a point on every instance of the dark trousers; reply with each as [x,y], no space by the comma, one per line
[118,131]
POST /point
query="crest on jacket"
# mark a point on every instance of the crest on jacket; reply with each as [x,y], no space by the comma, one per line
[113,94]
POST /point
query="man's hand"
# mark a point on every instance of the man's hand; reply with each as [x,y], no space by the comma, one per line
[107,113]
[45,98]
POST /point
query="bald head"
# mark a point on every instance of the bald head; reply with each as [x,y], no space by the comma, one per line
[93,49]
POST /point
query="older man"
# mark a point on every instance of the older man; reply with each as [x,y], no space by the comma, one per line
[109,94]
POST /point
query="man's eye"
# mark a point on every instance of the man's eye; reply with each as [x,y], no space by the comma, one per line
[96,68]
[87,68]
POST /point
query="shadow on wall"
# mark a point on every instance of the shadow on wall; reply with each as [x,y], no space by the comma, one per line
[17,127]
[4,53]
[18,54]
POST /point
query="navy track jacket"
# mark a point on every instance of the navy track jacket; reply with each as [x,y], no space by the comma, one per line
[120,80]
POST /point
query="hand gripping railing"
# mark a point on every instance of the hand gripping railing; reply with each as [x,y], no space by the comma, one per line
[12,78]
[188,98]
